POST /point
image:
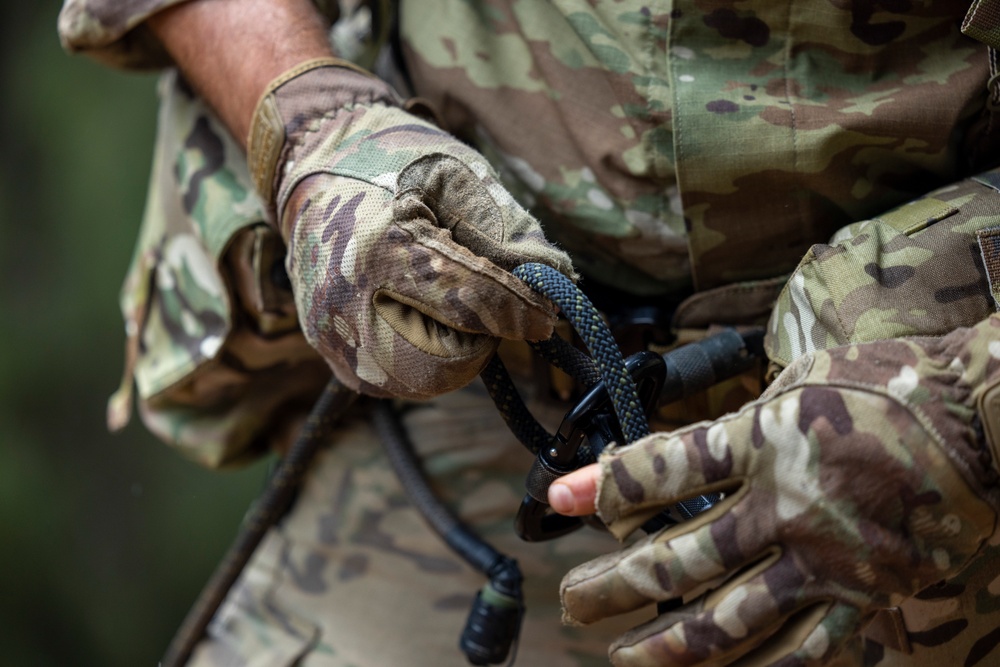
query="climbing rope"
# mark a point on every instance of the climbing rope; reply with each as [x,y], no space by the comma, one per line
[605,363]
[597,338]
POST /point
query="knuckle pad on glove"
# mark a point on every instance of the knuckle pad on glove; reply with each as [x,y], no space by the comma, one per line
[465,290]
[463,195]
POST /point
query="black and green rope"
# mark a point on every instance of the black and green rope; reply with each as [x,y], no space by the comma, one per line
[597,338]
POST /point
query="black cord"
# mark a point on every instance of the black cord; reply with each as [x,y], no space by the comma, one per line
[596,336]
[264,513]
[607,359]
[494,621]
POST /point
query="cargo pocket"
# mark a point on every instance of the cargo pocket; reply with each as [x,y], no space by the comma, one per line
[214,355]
[236,386]
[917,270]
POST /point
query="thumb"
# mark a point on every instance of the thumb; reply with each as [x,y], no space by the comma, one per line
[575,494]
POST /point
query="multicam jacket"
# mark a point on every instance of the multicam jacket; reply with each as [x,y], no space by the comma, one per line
[674,148]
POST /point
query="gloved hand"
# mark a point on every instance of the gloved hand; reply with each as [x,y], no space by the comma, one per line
[401,238]
[860,478]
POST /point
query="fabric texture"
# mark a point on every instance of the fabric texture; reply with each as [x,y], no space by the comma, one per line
[352,576]
[983,22]
[917,270]
[666,146]
[679,144]
[215,357]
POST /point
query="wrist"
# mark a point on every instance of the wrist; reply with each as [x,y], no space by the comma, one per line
[209,39]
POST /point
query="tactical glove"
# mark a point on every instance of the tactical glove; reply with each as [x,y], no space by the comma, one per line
[401,238]
[860,478]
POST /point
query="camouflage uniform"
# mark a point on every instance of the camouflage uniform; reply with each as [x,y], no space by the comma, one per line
[672,148]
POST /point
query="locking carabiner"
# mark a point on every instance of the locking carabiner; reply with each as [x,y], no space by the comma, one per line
[585,431]
[591,424]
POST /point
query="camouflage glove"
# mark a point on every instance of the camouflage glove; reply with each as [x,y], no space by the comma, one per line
[401,239]
[859,479]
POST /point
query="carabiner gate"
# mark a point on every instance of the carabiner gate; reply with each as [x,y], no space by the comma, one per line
[585,431]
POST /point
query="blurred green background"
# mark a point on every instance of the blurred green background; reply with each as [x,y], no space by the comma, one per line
[106,539]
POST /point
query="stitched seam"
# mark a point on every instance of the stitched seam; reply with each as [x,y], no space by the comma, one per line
[788,97]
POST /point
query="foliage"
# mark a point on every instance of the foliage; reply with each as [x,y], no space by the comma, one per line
[107,538]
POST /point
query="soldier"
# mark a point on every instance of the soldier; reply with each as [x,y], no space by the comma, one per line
[701,155]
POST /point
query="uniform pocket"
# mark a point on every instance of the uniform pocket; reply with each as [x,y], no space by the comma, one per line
[917,270]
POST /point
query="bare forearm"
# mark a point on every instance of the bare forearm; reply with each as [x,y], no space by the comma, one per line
[229,50]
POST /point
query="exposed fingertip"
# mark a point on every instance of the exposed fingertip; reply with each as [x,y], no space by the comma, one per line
[561,498]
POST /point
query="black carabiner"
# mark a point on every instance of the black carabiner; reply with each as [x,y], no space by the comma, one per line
[591,424]
[585,431]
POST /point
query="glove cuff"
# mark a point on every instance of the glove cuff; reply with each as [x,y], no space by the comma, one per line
[311,90]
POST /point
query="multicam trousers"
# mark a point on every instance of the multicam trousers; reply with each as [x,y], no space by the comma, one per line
[353,577]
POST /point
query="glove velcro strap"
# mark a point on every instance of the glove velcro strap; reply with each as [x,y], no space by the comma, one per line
[988,407]
[267,128]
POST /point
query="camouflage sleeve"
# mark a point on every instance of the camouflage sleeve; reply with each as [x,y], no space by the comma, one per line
[215,359]
[922,269]
[115,32]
